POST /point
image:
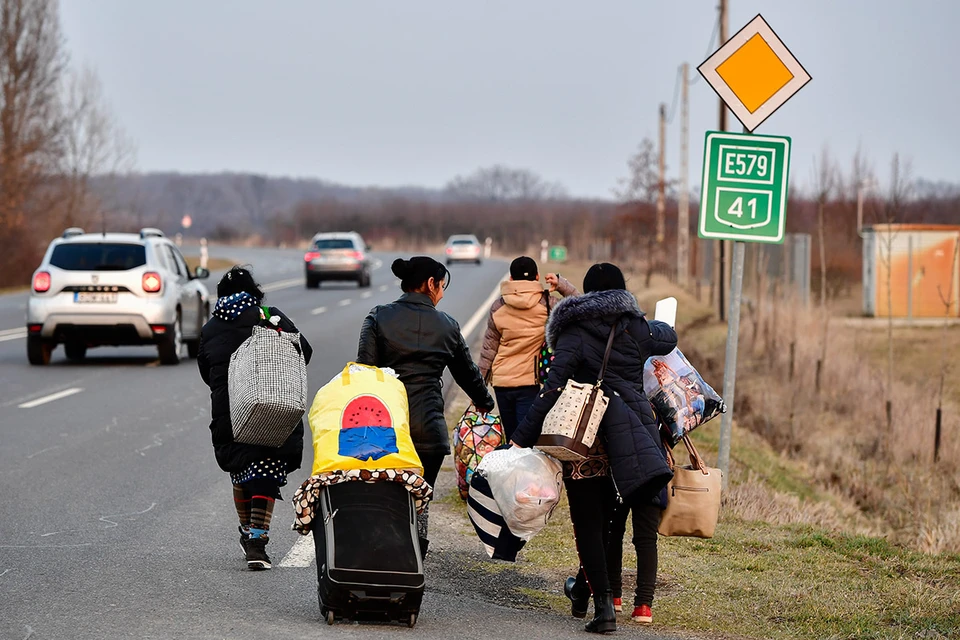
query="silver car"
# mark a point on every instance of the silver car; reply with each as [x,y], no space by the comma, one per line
[96,289]
[463,248]
[337,256]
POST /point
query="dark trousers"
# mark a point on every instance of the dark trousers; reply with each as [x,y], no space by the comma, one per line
[431,466]
[513,403]
[646,519]
[431,469]
[592,503]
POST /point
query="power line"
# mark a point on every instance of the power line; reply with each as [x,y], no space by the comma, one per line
[713,38]
[676,95]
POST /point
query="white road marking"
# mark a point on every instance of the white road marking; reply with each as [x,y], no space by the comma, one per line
[302,554]
[50,398]
[376,265]
[384,287]
[283,284]
[13,334]
[481,313]
[365,295]
[318,311]
[344,303]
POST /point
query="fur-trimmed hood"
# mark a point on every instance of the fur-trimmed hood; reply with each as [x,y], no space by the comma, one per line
[590,306]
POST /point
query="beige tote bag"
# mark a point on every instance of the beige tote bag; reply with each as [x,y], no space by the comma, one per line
[693,497]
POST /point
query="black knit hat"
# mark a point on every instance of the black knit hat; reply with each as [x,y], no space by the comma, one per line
[603,276]
[524,268]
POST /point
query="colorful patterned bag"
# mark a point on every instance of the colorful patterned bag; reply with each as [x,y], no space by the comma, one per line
[679,394]
[545,355]
[476,435]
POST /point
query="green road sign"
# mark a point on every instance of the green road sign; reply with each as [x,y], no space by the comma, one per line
[744,193]
[558,254]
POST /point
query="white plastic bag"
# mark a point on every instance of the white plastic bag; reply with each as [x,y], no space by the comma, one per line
[526,485]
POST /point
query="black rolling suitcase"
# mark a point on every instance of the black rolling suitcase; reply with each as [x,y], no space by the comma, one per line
[368,553]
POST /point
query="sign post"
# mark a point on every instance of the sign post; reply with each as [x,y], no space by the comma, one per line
[744,193]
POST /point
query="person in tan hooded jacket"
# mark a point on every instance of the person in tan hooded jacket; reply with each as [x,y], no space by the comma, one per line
[515,334]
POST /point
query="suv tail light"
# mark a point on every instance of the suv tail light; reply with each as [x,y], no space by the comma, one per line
[152,282]
[449,250]
[311,256]
[41,282]
[356,255]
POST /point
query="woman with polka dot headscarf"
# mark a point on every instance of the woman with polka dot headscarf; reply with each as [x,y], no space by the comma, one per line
[257,472]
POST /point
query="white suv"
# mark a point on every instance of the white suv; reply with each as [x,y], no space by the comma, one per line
[96,289]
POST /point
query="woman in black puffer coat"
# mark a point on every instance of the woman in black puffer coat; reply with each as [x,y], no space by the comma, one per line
[257,472]
[628,462]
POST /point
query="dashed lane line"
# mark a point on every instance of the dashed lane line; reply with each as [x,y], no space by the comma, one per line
[344,303]
[66,393]
[318,311]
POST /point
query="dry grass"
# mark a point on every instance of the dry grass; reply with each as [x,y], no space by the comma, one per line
[823,528]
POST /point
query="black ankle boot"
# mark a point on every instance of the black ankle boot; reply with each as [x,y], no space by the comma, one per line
[605,617]
[578,603]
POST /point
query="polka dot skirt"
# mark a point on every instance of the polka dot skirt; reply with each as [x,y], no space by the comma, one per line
[268,468]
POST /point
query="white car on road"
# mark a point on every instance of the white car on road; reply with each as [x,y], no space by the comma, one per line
[96,289]
[463,248]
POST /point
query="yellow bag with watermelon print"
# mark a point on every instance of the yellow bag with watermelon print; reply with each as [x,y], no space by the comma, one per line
[361,420]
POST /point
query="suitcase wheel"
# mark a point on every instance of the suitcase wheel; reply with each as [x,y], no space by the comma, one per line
[412,621]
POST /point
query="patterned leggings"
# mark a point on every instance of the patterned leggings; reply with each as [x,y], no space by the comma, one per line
[254,501]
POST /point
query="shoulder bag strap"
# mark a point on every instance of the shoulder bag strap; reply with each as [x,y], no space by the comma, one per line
[606,354]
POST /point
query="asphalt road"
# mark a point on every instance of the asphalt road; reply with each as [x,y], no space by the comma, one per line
[115,521]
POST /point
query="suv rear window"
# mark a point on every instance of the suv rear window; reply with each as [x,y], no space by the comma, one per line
[464,242]
[90,256]
[333,243]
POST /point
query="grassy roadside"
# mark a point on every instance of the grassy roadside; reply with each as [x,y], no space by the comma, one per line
[791,558]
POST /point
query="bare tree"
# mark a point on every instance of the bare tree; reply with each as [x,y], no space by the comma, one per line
[949,302]
[639,191]
[891,210]
[643,181]
[825,180]
[32,62]
[500,183]
[93,145]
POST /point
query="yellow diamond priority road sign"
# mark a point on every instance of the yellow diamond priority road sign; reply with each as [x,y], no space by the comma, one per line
[754,73]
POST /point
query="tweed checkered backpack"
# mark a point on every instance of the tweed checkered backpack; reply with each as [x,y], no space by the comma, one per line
[267,383]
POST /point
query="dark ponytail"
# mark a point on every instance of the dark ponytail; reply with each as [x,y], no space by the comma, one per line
[415,272]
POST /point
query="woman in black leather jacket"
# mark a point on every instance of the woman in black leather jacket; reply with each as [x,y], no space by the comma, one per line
[418,342]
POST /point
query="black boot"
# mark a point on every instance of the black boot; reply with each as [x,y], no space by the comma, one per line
[578,603]
[605,617]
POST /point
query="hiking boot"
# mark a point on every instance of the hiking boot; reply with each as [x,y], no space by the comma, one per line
[578,603]
[642,614]
[618,605]
[605,618]
[244,539]
[257,558]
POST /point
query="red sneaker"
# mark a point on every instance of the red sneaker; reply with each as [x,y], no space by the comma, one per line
[642,614]
[618,605]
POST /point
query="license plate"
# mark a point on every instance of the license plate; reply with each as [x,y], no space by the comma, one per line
[95,297]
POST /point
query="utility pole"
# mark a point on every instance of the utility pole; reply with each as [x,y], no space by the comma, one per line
[683,213]
[721,271]
[661,185]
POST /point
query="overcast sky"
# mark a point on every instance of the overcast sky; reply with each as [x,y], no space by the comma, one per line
[408,92]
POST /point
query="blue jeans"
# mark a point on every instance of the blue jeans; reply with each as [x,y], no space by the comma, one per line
[514,402]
